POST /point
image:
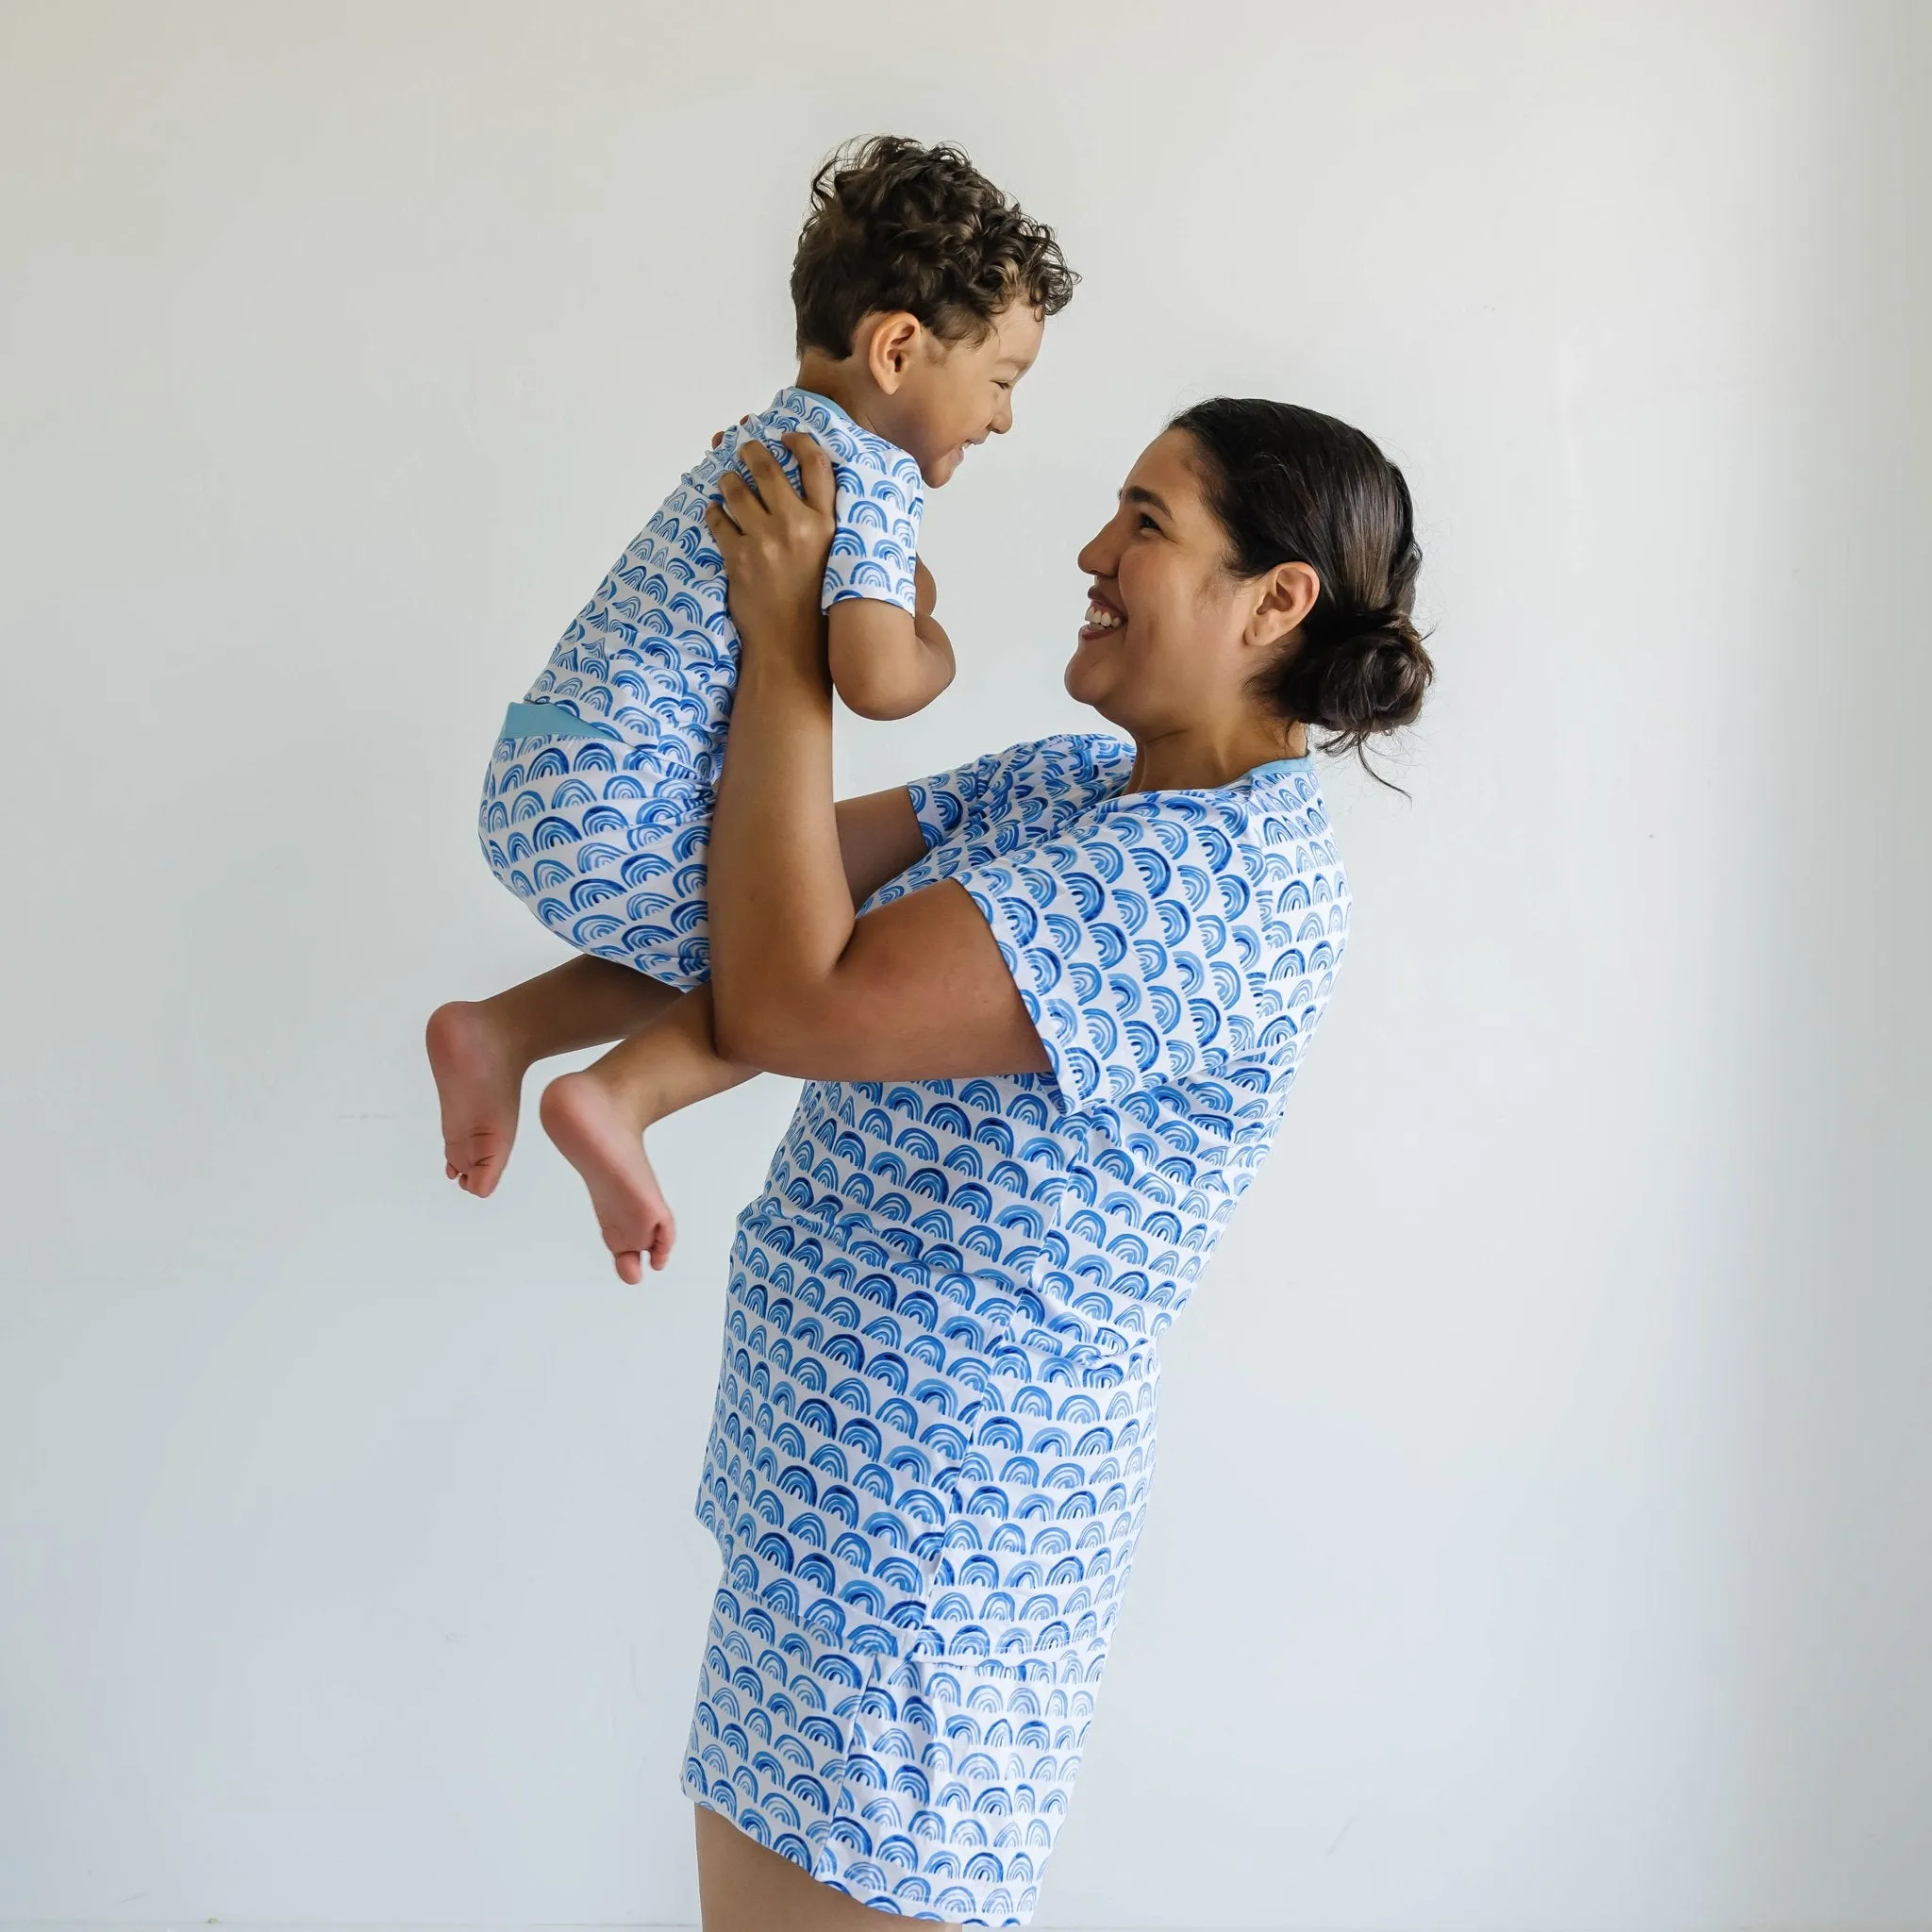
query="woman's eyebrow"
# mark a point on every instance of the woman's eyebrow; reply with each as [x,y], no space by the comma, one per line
[1134,493]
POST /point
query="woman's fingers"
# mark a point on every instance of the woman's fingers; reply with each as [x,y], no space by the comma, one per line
[765,473]
[740,499]
[820,489]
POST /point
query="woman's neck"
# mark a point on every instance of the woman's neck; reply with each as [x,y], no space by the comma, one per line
[1201,758]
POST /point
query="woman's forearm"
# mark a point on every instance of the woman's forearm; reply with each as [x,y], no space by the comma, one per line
[781,912]
[798,983]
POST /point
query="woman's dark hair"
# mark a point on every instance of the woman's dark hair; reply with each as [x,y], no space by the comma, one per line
[1291,486]
[894,225]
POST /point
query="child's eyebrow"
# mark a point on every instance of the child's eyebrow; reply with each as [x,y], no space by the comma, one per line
[1135,493]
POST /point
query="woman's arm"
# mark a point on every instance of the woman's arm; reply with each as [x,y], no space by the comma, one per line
[878,838]
[917,989]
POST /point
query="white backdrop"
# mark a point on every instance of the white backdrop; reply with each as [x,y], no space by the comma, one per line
[1574,1346]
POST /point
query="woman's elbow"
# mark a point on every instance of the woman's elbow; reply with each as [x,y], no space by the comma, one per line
[757,1029]
[773,1033]
[737,1029]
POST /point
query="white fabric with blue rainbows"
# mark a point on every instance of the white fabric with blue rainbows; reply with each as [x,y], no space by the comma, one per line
[934,1422]
[601,826]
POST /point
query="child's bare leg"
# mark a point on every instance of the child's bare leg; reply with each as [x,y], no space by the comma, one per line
[598,1117]
[479,1050]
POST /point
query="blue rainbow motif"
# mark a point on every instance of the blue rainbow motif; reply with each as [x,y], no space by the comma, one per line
[934,1422]
[934,1429]
[650,664]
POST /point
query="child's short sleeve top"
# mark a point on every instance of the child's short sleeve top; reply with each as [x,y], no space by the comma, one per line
[653,657]
[880,497]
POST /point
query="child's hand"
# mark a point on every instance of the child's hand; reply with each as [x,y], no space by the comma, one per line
[926,593]
[718,436]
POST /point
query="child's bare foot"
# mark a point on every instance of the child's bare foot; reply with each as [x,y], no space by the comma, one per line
[480,1085]
[603,1141]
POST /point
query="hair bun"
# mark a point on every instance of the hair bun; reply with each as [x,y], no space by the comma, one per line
[1289,485]
[1369,674]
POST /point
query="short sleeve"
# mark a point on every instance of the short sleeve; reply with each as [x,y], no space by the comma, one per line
[1130,938]
[947,801]
[876,530]
[1007,793]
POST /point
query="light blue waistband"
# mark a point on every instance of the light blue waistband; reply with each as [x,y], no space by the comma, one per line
[552,720]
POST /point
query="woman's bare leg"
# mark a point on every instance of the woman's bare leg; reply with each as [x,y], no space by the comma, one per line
[479,1050]
[744,1888]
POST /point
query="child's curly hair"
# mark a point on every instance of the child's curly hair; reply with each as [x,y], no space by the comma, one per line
[894,225]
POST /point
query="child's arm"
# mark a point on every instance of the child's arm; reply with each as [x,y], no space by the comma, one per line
[885,663]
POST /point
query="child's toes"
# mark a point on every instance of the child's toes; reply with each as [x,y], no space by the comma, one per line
[662,1237]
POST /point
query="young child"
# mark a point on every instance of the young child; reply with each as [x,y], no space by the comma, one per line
[921,294]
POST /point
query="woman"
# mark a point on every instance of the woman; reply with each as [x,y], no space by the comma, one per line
[1045,1060]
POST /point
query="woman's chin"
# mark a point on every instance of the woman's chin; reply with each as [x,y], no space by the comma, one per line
[1086,683]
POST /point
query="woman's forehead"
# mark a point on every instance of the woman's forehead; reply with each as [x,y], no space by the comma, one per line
[1166,468]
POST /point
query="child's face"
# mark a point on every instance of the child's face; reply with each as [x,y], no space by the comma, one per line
[956,395]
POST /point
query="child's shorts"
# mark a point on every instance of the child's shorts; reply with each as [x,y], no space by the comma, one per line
[603,840]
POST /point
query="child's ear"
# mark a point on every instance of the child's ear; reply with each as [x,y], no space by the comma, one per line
[888,342]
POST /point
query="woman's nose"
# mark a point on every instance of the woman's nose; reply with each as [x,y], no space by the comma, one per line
[1100,558]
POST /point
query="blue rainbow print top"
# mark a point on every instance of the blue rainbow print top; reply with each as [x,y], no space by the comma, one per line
[596,809]
[937,1404]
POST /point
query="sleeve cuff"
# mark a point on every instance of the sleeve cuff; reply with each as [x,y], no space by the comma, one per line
[1077,1074]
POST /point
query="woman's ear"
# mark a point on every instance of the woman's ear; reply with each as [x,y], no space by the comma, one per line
[1286,595]
[888,342]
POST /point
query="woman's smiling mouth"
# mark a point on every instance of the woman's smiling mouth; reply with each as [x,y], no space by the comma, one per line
[1102,619]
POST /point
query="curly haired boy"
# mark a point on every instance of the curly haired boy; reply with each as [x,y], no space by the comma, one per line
[920,293]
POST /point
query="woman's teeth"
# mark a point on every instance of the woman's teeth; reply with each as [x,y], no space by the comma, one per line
[1100,618]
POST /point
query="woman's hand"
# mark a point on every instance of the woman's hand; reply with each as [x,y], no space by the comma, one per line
[774,541]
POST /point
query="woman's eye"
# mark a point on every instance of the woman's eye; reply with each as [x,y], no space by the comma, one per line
[1147,523]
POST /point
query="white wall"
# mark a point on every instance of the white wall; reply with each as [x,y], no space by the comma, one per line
[1572,1353]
